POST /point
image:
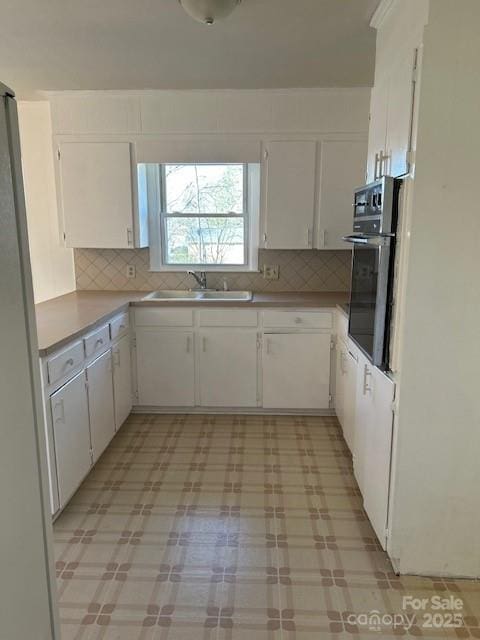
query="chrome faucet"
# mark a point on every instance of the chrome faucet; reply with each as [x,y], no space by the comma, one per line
[201,279]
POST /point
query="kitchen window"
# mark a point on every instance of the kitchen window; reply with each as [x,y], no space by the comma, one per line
[207,217]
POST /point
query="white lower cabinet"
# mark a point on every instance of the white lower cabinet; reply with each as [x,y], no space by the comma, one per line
[69,410]
[296,370]
[373,442]
[345,391]
[165,367]
[228,368]
[100,403]
[122,380]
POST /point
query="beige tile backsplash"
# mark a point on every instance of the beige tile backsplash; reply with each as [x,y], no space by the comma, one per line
[105,269]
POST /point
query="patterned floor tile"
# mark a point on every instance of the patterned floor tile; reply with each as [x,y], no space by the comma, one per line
[232,528]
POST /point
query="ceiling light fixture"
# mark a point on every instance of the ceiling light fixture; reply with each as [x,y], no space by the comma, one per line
[209,11]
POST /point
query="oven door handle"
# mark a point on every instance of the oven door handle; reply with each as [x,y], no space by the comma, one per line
[372,240]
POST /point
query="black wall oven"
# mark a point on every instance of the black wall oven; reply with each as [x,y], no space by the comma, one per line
[374,225]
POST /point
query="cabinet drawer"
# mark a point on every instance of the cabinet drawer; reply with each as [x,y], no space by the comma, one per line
[230,318]
[150,317]
[97,341]
[119,326]
[60,365]
[298,319]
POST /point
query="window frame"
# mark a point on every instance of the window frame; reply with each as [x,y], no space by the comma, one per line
[250,216]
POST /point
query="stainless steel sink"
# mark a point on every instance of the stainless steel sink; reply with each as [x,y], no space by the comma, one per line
[237,296]
[200,296]
[172,295]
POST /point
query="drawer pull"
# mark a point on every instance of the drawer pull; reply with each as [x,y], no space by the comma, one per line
[69,363]
[99,341]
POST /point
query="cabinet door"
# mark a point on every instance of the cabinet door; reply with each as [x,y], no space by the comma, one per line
[340,383]
[377,133]
[400,113]
[165,368]
[342,170]
[122,380]
[96,194]
[69,407]
[363,418]
[349,398]
[296,371]
[378,454]
[100,403]
[228,368]
[290,194]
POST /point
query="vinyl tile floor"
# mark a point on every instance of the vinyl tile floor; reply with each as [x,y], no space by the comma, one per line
[230,527]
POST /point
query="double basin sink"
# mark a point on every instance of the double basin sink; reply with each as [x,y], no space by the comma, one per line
[207,295]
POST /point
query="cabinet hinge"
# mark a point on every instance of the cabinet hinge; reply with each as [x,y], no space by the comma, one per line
[86,384]
[134,341]
[332,344]
[58,154]
[259,343]
[265,154]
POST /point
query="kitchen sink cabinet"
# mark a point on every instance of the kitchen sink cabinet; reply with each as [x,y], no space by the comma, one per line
[165,367]
[228,367]
[71,431]
[296,370]
[100,403]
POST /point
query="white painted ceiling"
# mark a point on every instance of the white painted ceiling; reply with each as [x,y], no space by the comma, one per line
[153,44]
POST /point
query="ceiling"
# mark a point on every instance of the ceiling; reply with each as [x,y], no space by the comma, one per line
[153,44]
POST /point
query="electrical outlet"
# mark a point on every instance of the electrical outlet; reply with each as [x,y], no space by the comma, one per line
[271,271]
[131,271]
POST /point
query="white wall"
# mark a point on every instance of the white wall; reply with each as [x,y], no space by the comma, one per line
[52,265]
[436,496]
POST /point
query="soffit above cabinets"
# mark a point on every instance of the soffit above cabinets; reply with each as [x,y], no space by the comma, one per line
[206,112]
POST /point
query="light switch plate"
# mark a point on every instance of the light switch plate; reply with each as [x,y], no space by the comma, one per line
[131,271]
[271,271]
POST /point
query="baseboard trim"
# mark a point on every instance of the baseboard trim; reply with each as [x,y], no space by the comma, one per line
[234,411]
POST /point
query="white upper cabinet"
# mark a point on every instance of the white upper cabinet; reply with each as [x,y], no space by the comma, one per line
[394,98]
[401,95]
[96,195]
[377,135]
[342,169]
[290,168]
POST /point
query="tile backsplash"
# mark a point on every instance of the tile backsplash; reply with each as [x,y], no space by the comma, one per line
[106,269]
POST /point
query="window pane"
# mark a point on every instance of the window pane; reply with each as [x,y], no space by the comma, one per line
[204,240]
[204,188]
